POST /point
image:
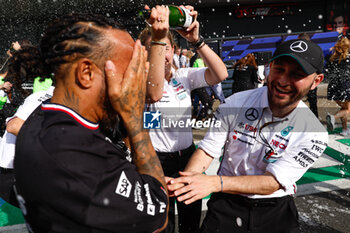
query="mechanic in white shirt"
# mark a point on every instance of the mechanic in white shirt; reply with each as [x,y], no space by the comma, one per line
[169,93]
[8,143]
[270,140]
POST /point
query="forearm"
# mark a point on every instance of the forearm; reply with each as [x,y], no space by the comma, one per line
[199,162]
[258,184]
[155,79]
[144,155]
[14,125]
[217,71]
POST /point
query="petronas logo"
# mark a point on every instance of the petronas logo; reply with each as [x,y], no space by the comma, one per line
[286,130]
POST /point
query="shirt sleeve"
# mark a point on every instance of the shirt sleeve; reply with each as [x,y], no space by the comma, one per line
[298,159]
[29,105]
[216,136]
[128,200]
[7,150]
[193,77]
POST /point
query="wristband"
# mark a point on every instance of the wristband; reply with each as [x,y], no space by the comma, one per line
[198,44]
[222,183]
[158,43]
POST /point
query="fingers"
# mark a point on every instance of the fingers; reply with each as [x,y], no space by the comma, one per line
[188,196]
[134,66]
[182,179]
[168,179]
[185,189]
[7,84]
[16,45]
[193,13]
[153,16]
[192,199]
[159,15]
[7,88]
[118,83]
[174,187]
[113,80]
[163,14]
[193,26]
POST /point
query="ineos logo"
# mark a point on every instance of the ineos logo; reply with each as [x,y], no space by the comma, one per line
[299,46]
[252,114]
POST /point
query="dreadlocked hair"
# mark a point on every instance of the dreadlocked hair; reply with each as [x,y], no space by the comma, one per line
[74,36]
[23,67]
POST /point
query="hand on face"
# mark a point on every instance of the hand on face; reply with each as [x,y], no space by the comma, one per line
[127,91]
[191,34]
[191,187]
[159,20]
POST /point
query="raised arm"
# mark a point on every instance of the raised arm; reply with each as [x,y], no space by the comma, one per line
[216,71]
[159,19]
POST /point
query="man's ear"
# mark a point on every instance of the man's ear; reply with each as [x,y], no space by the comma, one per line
[85,72]
[317,81]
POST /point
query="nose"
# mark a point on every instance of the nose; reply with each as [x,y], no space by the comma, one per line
[284,80]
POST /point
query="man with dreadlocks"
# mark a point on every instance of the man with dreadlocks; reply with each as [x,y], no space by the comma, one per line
[70,176]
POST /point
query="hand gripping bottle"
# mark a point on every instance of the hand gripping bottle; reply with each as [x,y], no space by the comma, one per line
[179,17]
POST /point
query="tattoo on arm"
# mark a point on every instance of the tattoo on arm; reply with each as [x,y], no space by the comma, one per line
[161,51]
[146,160]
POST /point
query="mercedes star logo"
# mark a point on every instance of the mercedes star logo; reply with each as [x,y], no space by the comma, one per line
[252,114]
[298,46]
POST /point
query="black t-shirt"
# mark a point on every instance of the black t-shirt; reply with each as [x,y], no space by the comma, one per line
[71,178]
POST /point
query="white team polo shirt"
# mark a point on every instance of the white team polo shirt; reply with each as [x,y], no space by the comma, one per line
[7,145]
[249,131]
[175,107]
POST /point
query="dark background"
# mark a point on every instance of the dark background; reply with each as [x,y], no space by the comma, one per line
[220,19]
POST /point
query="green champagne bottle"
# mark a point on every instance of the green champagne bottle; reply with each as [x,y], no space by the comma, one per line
[179,17]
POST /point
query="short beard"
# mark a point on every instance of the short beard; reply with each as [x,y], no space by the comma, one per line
[112,125]
[293,100]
